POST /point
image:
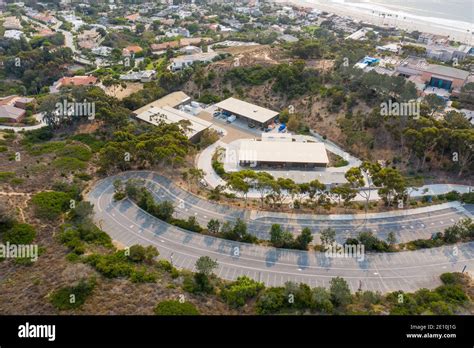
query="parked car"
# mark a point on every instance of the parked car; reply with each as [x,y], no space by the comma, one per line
[216,113]
[203,182]
[282,127]
[231,119]
[251,125]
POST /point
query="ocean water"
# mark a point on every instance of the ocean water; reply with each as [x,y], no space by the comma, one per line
[458,10]
[452,13]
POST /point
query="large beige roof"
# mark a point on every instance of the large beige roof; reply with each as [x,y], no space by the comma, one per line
[173,99]
[282,151]
[248,110]
[168,114]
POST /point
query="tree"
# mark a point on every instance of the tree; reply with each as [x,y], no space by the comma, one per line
[340,293]
[328,236]
[237,182]
[304,239]
[293,123]
[358,177]
[391,239]
[213,226]
[206,265]
[280,238]
[193,175]
[434,103]
[316,189]
[322,300]
[345,192]
[462,141]
[392,185]
[164,210]
[263,184]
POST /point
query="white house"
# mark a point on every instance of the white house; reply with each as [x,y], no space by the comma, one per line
[182,62]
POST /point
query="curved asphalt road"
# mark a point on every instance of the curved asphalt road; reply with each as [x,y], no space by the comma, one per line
[408,271]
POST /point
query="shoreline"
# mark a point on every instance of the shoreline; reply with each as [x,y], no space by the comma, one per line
[409,24]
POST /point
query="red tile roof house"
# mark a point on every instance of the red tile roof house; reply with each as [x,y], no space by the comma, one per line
[165,45]
[73,81]
[127,51]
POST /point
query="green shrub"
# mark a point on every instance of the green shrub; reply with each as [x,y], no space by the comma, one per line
[72,297]
[112,265]
[50,147]
[83,176]
[50,205]
[80,152]
[165,265]
[118,196]
[237,293]
[452,293]
[271,300]
[20,234]
[38,135]
[141,275]
[69,164]
[173,307]
[6,176]
[452,278]
[138,253]
[17,181]
[88,139]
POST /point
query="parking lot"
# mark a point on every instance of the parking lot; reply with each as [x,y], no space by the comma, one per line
[233,131]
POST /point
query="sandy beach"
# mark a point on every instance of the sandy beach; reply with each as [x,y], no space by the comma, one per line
[457,31]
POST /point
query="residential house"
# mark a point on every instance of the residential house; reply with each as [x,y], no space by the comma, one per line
[182,62]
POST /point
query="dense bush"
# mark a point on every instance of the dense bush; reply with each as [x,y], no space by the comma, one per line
[141,275]
[271,300]
[238,292]
[74,236]
[20,234]
[173,307]
[138,253]
[50,205]
[112,265]
[72,297]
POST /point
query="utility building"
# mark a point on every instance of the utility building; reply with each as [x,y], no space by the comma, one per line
[252,113]
[281,152]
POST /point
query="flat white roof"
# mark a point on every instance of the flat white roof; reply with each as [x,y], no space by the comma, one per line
[173,99]
[282,151]
[248,110]
[287,137]
[168,115]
